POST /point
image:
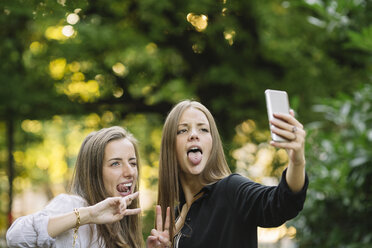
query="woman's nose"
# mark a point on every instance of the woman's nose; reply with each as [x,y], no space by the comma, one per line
[128,170]
[193,134]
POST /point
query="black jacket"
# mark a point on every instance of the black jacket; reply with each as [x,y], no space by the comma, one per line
[230,210]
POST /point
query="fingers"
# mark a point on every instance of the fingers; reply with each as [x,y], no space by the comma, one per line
[159,219]
[297,146]
[126,201]
[120,204]
[162,235]
[288,118]
[151,238]
[286,126]
[154,232]
[129,198]
[158,236]
[133,211]
[152,242]
[167,220]
[164,241]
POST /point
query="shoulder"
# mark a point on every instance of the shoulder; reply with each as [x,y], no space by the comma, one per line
[230,183]
[235,179]
[64,203]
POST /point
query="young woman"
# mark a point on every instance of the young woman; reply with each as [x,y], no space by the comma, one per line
[215,208]
[103,209]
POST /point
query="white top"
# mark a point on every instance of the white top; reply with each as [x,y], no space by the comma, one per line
[31,230]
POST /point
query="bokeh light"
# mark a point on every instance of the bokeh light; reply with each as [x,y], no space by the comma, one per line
[55,33]
[229,36]
[68,31]
[118,92]
[31,126]
[72,18]
[57,68]
[36,47]
[200,22]
[120,69]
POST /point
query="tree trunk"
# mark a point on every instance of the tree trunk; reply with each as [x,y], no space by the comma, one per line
[10,144]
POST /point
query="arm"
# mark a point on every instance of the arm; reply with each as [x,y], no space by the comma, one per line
[295,177]
[264,206]
[39,229]
[61,223]
[107,211]
[30,231]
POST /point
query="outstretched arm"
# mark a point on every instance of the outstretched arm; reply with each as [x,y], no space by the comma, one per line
[107,211]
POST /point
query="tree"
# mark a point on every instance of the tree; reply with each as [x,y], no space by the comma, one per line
[83,57]
[26,90]
[338,206]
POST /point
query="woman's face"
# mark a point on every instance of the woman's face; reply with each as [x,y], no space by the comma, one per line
[193,142]
[119,168]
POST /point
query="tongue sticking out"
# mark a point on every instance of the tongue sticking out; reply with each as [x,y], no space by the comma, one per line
[195,157]
[122,188]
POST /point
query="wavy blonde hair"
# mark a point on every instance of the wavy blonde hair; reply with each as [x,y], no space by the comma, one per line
[87,182]
[169,184]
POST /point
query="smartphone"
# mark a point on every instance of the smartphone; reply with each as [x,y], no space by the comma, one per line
[276,102]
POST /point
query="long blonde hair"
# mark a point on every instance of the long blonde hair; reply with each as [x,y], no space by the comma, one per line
[87,182]
[169,184]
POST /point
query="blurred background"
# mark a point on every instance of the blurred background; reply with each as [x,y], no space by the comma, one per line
[71,67]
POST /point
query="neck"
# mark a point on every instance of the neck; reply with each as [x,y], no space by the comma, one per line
[191,185]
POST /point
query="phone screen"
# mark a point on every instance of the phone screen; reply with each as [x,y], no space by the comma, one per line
[276,102]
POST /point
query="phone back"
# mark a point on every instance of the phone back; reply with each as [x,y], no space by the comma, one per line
[276,102]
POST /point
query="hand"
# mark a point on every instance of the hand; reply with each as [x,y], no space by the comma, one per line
[112,209]
[159,237]
[289,128]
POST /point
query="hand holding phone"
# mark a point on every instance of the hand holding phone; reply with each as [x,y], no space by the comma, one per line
[276,102]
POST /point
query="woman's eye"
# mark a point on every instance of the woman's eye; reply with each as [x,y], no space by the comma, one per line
[181,131]
[115,164]
[205,130]
[133,164]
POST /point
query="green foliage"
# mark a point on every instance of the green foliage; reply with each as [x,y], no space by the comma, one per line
[338,208]
[362,40]
[135,59]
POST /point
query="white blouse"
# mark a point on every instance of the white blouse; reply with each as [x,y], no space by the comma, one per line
[31,230]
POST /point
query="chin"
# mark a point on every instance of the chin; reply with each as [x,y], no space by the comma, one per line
[196,171]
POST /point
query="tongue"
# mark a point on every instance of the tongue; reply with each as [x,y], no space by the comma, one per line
[195,157]
[122,188]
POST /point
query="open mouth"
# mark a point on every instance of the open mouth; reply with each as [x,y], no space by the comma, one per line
[124,189]
[194,150]
[195,155]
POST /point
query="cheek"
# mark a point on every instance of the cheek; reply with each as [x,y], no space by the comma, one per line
[178,150]
[135,178]
[210,145]
[107,178]
[136,173]
[107,184]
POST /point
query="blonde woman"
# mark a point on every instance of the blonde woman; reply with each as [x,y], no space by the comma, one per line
[102,209]
[214,208]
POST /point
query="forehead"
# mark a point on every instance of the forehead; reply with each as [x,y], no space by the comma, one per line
[119,146]
[192,114]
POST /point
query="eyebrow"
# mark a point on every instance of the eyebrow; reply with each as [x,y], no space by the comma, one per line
[198,124]
[115,159]
[130,159]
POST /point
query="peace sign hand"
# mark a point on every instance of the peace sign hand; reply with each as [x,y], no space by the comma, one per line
[159,237]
